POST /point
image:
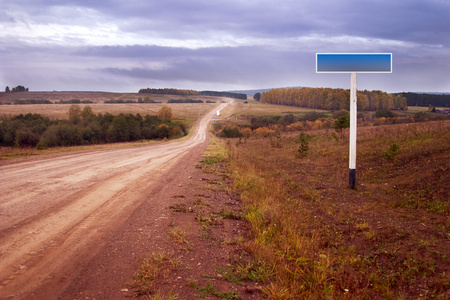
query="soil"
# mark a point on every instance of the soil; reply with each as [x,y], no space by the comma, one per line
[75,226]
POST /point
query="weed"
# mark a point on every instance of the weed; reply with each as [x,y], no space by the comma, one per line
[210,289]
[159,296]
[227,214]
[178,207]
[153,267]
[178,234]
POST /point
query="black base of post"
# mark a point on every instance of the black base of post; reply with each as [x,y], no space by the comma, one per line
[352,178]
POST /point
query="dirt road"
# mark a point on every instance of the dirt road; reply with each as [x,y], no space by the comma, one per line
[54,209]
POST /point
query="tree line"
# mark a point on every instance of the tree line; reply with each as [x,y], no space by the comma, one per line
[171,91]
[224,94]
[334,99]
[17,89]
[168,91]
[419,99]
[84,127]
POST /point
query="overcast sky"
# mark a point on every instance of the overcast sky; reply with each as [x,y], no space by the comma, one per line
[123,46]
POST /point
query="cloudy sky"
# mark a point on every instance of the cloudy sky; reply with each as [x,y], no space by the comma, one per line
[122,46]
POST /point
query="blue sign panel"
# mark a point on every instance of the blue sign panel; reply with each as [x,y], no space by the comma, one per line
[354,62]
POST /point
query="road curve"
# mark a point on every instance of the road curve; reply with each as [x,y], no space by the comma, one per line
[52,208]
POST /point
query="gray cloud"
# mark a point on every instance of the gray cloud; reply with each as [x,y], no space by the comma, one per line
[121,45]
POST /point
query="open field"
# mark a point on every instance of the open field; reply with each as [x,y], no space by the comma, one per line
[387,239]
[238,110]
[181,111]
[95,97]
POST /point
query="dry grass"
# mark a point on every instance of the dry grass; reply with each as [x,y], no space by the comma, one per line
[155,266]
[181,111]
[238,110]
[189,113]
[386,239]
[16,152]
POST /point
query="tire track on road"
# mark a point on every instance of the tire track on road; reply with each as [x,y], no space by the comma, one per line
[91,193]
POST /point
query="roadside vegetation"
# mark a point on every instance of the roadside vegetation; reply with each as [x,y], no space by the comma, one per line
[318,239]
[83,127]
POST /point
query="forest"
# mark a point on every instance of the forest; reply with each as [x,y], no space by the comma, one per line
[334,99]
[171,91]
[168,91]
[224,94]
[84,127]
[420,99]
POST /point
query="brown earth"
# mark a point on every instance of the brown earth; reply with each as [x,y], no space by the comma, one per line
[74,226]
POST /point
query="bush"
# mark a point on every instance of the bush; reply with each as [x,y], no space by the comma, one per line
[385,113]
[63,134]
[230,132]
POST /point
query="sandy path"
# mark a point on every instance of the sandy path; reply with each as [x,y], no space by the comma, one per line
[53,209]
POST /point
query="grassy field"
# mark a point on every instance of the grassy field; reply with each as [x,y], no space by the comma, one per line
[238,110]
[95,97]
[181,111]
[387,239]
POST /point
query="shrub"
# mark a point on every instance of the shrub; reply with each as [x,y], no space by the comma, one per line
[230,132]
[384,113]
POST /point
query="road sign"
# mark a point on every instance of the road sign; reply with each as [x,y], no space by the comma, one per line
[353,63]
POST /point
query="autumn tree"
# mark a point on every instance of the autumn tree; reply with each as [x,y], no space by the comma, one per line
[74,114]
[165,113]
[87,114]
[400,102]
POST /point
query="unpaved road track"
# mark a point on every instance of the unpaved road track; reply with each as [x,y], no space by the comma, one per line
[52,209]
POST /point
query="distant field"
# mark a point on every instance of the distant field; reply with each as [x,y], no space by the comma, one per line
[60,111]
[96,97]
[240,110]
[237,108]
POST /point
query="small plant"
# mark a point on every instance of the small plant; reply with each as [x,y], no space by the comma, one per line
[304,145]
[209,289]
[228,214]
[178,234]
[178,207]
[392,152]
[159,296]
[153,267]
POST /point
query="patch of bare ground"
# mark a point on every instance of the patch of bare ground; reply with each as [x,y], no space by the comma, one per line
[192,249]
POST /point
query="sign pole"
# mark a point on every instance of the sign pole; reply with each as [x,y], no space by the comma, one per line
[353,128]
[353,63]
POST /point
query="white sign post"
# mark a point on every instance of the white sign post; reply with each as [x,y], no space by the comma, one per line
[353,63]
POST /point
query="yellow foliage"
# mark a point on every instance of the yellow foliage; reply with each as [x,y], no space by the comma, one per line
[165,113]
[246,132]
[264,131]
